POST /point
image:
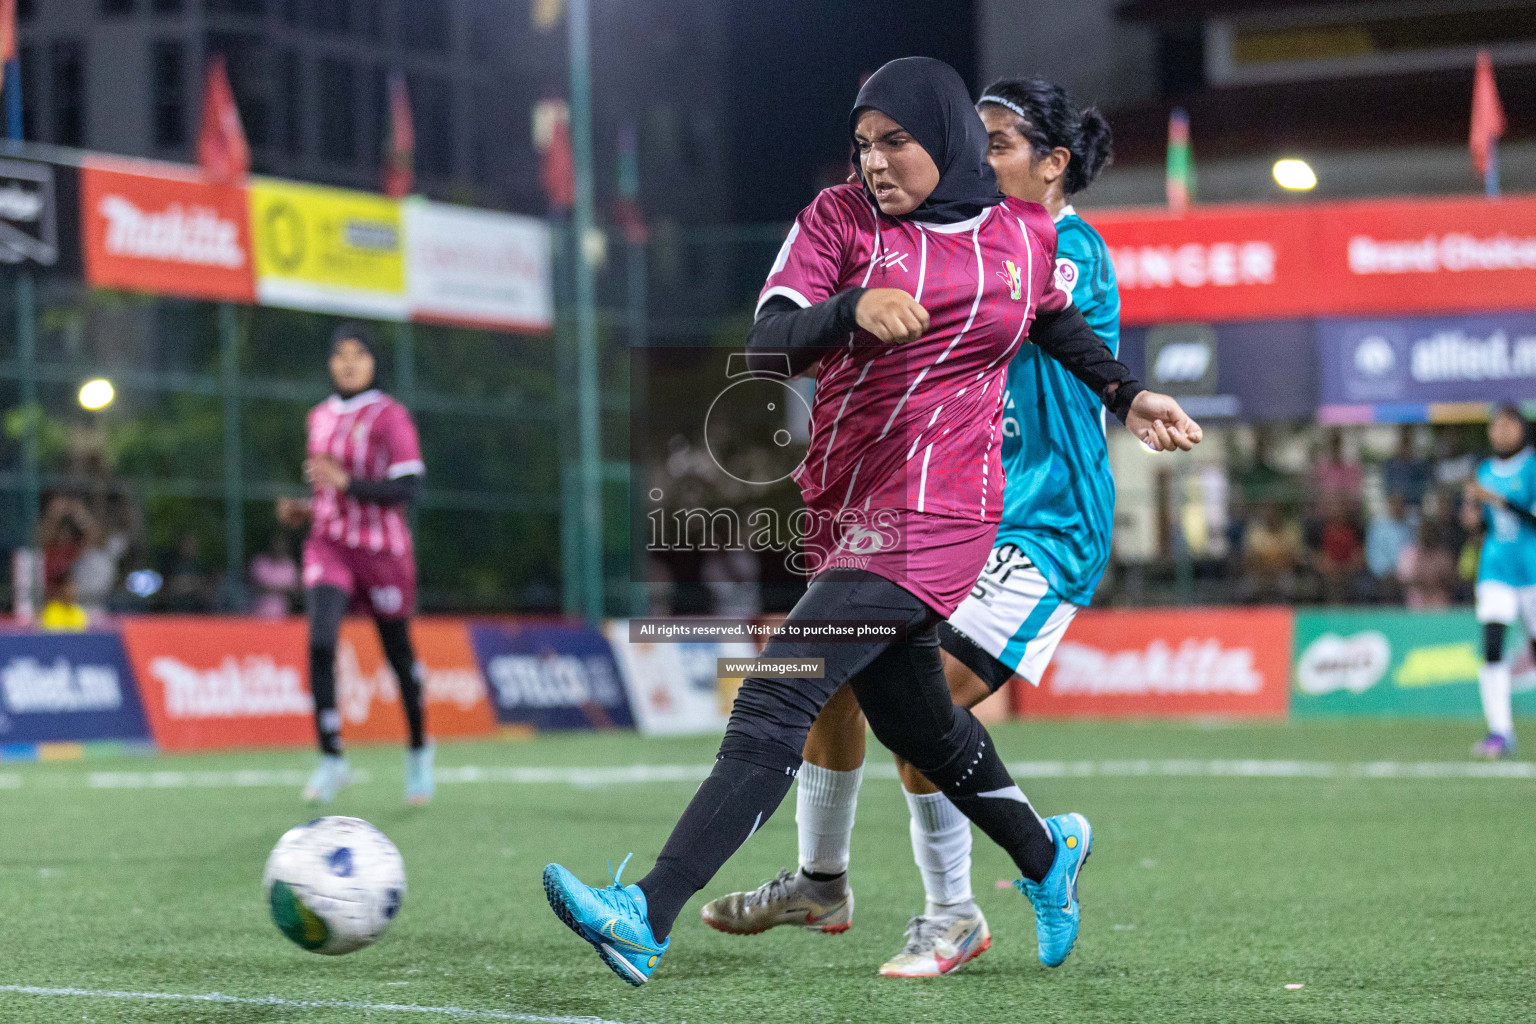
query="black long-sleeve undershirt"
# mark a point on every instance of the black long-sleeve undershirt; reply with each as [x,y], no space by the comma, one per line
[402,490]
[803,335]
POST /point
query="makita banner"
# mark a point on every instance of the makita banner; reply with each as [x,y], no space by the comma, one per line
[1196,661]
[1488,358]
[551,675]
[151,230]
[1324,259]
[66,688]
[208,683]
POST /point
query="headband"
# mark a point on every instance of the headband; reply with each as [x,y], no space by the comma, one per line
[1000,101]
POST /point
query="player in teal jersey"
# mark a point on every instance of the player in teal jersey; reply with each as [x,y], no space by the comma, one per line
[1501,501]
[1051,550]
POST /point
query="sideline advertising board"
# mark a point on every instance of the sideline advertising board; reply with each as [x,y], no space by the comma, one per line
[1175,663]
[1396,662]
[551,675]
[477,268]
[328,249]
[368,695]
[675,688]
[147,230]
[1372,257]
[67,688]
[208,683]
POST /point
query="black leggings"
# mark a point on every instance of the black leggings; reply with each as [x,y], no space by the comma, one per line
[327,606]
[901,688]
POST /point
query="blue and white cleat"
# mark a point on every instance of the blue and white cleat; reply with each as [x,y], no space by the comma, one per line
[331,776]
[613,919]
[1057,912]
[419,786]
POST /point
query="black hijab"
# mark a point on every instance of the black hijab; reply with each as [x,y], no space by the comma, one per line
[929,99]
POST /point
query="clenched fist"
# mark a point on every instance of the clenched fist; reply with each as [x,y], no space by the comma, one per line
[891,315]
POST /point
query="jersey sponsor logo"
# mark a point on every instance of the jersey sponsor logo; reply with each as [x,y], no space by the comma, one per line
[1013,276]
[890,258]
[1353,663]
[1067,275]
[255,686]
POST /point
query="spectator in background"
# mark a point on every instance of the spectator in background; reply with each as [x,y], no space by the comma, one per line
[1340,556]
[1405,473]
[187,585]
[1335,479]
[274,578]
[96,570]
[61,536]
[1427,569]
[1272,552]
[1389,533]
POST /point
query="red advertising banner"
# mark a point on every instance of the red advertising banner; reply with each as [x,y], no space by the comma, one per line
[368,696]
[208,683]
[1324,259]
[152,228]
[1188,662]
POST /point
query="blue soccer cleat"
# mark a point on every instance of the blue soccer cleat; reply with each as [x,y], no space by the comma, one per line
[612,919]
[330,777]
[1057,913]
[419,786]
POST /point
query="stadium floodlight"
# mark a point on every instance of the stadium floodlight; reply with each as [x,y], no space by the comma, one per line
[97,394]
[1296,175]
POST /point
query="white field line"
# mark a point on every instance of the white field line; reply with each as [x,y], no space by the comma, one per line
[458,1012]
[634,774]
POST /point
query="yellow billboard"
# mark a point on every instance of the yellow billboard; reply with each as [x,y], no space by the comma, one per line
[328,249]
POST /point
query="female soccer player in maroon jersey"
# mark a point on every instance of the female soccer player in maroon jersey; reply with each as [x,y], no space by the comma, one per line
[913,290]
[364,467]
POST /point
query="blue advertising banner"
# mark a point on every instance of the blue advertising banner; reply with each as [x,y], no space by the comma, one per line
[67,688]
[1483,358]
[551,675]
[1254,372]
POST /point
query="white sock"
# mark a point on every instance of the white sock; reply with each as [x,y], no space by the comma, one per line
[941,845]
[1493,685]
[824,804]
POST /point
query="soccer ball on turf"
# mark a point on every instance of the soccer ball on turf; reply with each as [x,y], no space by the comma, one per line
[334,885]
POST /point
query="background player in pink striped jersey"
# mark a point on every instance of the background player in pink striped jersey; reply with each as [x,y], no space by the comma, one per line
[364,467]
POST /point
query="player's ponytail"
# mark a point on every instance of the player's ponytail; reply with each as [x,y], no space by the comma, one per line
[1048,120]
[1093,153]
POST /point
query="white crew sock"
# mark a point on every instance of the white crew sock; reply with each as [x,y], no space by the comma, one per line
[941,845]
[824,804]
[1493,685]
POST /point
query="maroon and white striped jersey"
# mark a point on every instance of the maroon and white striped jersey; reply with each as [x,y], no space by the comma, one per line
[373,438]
[915,427]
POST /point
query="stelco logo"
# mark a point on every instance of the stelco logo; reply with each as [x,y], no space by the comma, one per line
[1182,362]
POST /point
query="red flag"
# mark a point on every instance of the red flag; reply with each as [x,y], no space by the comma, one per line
[1487,113]
[400,149]
[7,31]
[557,166]
[222,151]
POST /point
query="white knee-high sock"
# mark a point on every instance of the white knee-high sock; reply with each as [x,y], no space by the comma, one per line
[824,804]
[1493,685]
[941,845]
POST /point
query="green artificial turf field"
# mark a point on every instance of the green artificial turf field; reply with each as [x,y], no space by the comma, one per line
[1230,862]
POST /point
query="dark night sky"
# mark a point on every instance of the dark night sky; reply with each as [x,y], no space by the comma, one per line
[797,71]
